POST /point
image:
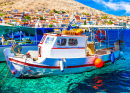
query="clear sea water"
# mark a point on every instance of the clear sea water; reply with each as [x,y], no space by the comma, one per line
[113,78]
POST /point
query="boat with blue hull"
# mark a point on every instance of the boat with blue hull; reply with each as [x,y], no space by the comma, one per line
[63,54]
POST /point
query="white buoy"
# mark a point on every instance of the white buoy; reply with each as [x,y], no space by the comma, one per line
[61,65]
[122,55]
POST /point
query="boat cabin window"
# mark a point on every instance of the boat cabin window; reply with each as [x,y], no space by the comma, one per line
[61,42]
[42,39]
[73,42]
[49,40]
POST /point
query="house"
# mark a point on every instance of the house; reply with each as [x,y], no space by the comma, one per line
[8,16]
[83,18]
[77,18]
[18,15]
[6,20]
[15,10]
[31,10]
[46,15]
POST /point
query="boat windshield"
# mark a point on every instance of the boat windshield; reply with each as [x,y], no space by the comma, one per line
[49,40]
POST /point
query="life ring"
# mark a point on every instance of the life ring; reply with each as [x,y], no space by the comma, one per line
[97,33]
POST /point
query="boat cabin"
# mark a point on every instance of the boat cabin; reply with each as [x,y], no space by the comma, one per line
[62,46]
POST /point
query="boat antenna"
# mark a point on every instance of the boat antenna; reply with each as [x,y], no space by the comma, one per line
[36,25]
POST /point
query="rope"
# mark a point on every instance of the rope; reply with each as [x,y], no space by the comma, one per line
[6,75]
[3,68]
[22,77]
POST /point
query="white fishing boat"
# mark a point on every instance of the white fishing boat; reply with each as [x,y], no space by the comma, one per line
[62,54]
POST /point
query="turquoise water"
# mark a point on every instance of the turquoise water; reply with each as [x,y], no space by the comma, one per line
[112,78]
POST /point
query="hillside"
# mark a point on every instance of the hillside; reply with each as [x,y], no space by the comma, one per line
[66,5]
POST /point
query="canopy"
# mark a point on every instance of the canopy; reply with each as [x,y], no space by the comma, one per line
[10,29]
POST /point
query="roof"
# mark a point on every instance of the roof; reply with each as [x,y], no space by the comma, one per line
[4,29]
[103,26]
[77,17]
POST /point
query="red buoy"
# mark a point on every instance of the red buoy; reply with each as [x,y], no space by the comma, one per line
[98,63]
[13,72]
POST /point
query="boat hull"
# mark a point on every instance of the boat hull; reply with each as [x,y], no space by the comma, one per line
[51,66]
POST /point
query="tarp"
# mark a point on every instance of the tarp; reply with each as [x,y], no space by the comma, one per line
[11,29]
[28,30]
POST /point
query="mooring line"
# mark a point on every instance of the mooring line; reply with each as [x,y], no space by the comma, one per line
[3,68]
[22,77]
[6,75]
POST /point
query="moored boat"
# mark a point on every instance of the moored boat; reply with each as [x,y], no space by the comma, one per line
[62,54]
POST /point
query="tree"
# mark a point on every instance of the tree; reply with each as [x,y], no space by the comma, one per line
[2,15]
[84,13]
[63,11]
[99,9]
[55,11]
[24,21]
[27,17]
[50,25]
[34,18]
[41,18]
[104,17]
[84,22]
[110,22]
[88,14]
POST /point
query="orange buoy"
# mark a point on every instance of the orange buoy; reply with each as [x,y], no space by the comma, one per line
[98,63]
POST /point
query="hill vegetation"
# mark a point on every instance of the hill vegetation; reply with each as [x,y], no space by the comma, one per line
[64,5]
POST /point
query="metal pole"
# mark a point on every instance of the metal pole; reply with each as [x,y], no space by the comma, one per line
[12,33]
[20,36]
[36,35]
[108,37]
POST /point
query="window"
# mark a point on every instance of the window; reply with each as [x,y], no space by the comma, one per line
[49,40]
[61,42]
[42,39]
[72,42]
